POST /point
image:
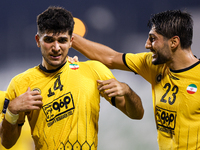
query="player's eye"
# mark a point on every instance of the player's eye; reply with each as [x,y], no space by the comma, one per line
[151,38]
[48,39]
[62,40]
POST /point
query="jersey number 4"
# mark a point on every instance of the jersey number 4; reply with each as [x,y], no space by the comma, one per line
[57,85]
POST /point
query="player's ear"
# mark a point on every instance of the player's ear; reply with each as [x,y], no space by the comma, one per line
[37,39]
[71,40]
[175,41]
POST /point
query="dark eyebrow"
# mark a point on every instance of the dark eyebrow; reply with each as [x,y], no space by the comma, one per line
[53,37]
[46,36]
[63,37]
[151,34]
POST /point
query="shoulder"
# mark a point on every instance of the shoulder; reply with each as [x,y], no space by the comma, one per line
[97,68]
[138,60]
[26,74]
[132,56]
[93,63]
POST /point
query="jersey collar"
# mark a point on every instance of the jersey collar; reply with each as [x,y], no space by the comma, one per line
[50,71]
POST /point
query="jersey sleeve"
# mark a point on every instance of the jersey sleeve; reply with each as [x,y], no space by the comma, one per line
[17,87]
[103,73]
[140,63]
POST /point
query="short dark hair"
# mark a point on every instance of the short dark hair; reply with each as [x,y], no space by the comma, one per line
[174,23]
[56,20]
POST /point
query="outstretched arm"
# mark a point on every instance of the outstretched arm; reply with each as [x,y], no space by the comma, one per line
[125,98]
[9,128]
[95,51]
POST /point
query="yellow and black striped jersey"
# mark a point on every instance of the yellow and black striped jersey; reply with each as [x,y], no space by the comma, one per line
[176,101]
[70,112]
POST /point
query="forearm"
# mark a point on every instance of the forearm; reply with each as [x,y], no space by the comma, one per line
[126,99]
[26,102]
[94,51]
[9,133]
[133,105]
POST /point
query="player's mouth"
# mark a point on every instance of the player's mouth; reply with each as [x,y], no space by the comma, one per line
[55,56]
[152,50]
[154,54]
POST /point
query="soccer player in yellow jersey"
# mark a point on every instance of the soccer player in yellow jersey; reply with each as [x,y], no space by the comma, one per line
[60,99]
[173,72]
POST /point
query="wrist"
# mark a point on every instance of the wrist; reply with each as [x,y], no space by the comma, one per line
[127,90]
[12,107]
[10,117]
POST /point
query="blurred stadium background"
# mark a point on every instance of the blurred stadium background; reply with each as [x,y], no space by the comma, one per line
[119,24]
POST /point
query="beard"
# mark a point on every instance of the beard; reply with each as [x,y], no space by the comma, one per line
[162,55]
[160,59]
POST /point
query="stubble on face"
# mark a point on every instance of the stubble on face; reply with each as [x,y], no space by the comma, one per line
[162,55]
[160,49]
[54,50]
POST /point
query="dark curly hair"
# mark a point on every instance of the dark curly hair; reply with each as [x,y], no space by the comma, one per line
[174,23]
[56,20]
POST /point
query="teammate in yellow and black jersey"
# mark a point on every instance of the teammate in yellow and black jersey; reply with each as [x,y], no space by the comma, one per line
[173,71]
[175,100]
[70,111]
[61,100]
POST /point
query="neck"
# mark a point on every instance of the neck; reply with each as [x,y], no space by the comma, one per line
[49,66]
[181,59]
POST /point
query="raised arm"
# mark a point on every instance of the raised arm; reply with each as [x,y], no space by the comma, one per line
[126,99]
[96,51]
[9,128]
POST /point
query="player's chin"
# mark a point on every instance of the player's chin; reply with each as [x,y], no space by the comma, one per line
[158,61]
[56,64]
[155,61]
